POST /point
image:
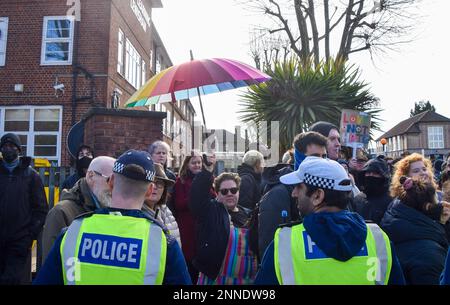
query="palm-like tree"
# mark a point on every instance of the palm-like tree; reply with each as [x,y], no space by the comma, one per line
[300,94]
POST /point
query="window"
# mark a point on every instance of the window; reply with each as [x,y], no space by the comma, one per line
[435,137]
[158,64]
[121,46]
[3,38]
[144,73]
[39,129]
[133,69]
[57,40]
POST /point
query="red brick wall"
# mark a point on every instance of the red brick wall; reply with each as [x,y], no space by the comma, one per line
[113,131]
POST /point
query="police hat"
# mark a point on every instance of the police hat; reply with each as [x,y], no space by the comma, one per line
[136,165]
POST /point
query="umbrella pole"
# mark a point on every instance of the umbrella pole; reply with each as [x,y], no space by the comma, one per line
[199,98]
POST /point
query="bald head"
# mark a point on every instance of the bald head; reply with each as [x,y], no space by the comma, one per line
[102,164]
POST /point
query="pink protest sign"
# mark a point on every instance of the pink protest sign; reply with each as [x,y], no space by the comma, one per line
[355,128]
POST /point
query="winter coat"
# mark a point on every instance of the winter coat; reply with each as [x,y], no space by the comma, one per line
[166,220]
[371,208]
[250,188]
[277,199]
[182,212]
[23,204]
[73,203]
[213,229]
[70,181]
[419,241]
[339,235]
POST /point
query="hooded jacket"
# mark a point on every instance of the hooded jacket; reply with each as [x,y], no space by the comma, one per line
[373,206]
[73,203]
[250,188]
[419,241]
[277,199]
[23,204]
[339,235]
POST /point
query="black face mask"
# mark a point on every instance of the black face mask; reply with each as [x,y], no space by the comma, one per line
[82,165]
[9,155]
[374,186]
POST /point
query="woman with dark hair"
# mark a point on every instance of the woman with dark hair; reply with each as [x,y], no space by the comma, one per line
[415,224]
[180,201]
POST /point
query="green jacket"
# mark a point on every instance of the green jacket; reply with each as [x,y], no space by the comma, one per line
[74,202]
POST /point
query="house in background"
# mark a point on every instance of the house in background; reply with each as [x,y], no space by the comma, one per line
[427,133]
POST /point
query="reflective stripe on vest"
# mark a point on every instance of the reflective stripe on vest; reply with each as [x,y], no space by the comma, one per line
[120,241]
[299,261]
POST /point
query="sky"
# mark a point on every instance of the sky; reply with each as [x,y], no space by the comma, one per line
[220,28]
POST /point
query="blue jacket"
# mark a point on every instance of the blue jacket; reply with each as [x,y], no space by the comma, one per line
[70,181]
[175,274]
[419,241]
[339,235]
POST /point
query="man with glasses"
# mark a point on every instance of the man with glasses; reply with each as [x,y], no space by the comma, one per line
[88,194]
[84,157]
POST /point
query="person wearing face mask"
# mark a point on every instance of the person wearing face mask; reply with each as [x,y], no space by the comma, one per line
[224,256]
[372,203]
[88,194]
[23,207]
[331,246]
[84,158]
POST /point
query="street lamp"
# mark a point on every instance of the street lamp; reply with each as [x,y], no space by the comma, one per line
[383,142]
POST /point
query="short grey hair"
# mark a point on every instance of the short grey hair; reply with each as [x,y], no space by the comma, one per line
[157,144]
[252,157]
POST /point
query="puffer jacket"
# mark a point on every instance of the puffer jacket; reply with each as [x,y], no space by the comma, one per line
[165,219]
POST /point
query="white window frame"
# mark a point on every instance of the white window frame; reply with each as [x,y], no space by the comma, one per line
[133,65]
[120,52]
[46,40]
[4,46]
[144,73]
[435,137]
[31,133]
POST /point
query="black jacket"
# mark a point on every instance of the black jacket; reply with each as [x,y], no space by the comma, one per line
[419,241]
[23,204]
[250,189]
[277,199]
[371,208]
[213,226]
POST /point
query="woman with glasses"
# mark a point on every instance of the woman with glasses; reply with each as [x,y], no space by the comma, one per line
[224,256]
[155,202]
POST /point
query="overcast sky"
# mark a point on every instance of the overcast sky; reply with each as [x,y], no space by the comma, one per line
[220,28]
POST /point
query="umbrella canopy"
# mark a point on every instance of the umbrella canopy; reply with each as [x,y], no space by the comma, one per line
[208,75]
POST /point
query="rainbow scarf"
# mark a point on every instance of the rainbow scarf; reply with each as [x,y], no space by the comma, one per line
[239,266]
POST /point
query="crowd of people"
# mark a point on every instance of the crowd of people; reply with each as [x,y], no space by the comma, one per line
[321,216]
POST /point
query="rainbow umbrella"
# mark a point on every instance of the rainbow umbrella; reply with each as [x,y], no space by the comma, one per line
[186,80]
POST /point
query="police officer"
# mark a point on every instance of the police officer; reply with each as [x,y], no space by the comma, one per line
[331,245]
[117,245]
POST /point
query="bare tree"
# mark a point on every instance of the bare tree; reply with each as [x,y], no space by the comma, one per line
[334,27]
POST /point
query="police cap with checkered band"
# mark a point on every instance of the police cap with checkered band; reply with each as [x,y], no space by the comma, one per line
[136,165]
[321,173]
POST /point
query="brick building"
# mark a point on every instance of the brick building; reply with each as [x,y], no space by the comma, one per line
[62,63]
[427,133]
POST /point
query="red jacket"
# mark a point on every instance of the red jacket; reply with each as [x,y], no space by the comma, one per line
[185,219]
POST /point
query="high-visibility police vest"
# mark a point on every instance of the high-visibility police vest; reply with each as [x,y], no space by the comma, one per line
[298,260]
[111,249]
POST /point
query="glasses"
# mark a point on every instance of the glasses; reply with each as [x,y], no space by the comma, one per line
[159,184]
[233,191]
[100,174]
[324,156]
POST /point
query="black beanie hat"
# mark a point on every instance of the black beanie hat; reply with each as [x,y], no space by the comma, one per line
[323,128]
[11,138]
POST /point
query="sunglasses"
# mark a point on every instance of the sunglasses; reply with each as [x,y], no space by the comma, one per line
[159,184]
[233,191]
